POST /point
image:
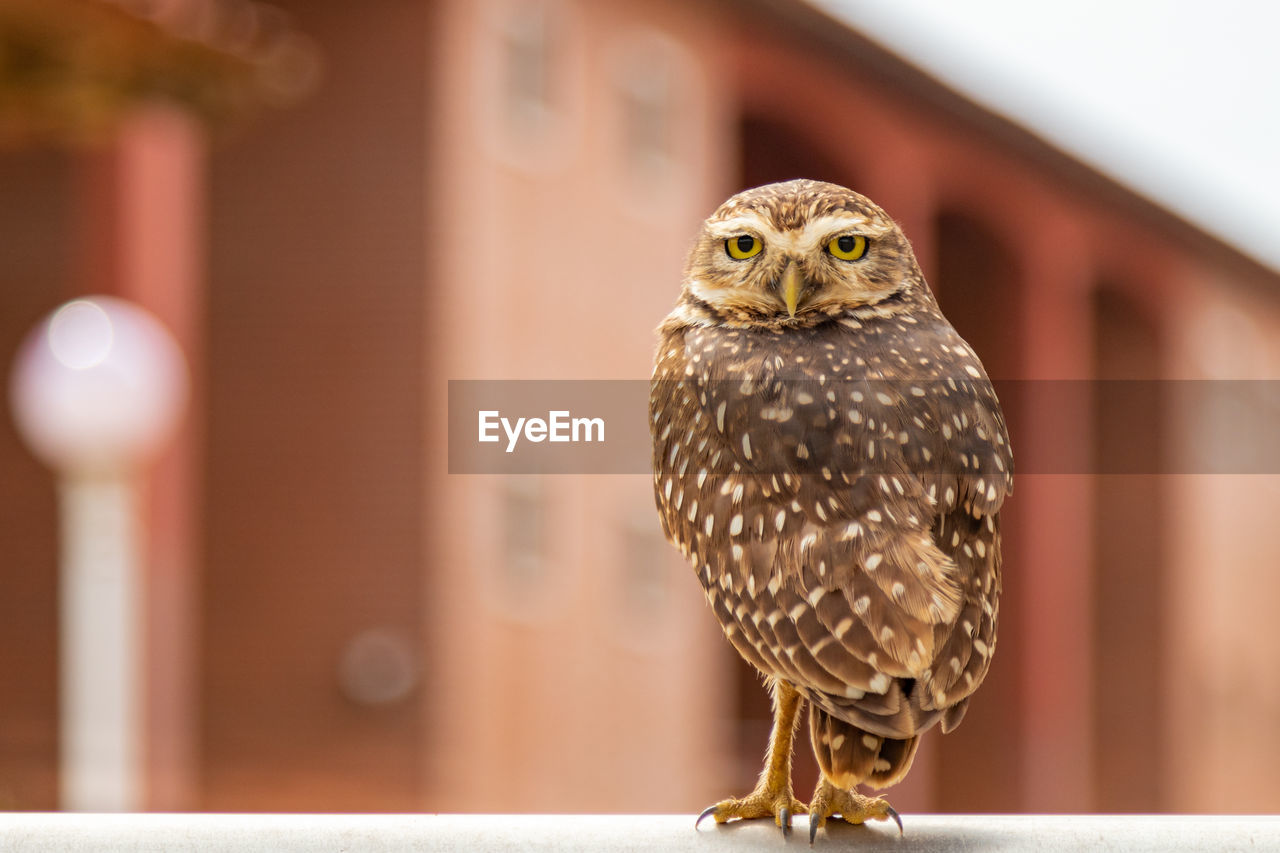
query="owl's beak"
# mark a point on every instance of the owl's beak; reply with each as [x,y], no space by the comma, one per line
[792,285]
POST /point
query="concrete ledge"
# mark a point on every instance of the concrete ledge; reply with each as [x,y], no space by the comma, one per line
[21,832]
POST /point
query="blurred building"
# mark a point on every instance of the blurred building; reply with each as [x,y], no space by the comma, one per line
[505,189]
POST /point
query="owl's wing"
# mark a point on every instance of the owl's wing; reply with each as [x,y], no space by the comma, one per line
[848,538]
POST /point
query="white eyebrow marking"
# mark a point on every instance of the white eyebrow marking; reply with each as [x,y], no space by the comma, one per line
[752,222]
[825,227]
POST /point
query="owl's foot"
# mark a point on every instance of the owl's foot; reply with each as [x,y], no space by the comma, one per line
[772,796]
[762,802]
[829,801]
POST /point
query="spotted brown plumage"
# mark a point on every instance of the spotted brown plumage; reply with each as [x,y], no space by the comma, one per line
[830,456]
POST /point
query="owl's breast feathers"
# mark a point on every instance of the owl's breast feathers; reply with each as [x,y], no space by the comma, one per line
[837,490]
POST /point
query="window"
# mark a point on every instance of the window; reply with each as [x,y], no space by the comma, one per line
[648,103]
[523,580]
[527,55]
[529,82]
[655,88]
[641,594]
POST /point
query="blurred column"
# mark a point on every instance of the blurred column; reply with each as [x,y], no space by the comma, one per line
[1054,510]
[143,239]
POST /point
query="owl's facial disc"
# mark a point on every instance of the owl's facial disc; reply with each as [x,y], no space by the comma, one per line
[758,263]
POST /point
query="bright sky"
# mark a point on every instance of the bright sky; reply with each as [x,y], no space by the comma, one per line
[1178,100]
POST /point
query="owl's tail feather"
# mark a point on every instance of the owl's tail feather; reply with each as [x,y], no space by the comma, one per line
[850,756]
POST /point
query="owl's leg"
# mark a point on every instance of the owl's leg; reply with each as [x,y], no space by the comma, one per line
[772,796]
[829,800]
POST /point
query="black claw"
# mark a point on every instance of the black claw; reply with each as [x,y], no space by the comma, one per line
[784,818]
[893,813]
[706,814]
[813,829]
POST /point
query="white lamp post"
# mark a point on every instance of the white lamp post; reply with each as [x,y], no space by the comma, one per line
[97,388]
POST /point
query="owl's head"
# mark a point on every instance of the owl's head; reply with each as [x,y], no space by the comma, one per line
[797,252]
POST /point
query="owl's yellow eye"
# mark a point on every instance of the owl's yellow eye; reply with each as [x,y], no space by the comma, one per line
[848,247]
[743,246]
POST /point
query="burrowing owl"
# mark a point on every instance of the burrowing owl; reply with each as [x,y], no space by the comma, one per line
[830,456]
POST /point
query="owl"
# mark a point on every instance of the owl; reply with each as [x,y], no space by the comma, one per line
[831,458]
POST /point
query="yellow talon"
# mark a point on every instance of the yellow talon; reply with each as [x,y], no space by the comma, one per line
[762,802]
[853,807]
